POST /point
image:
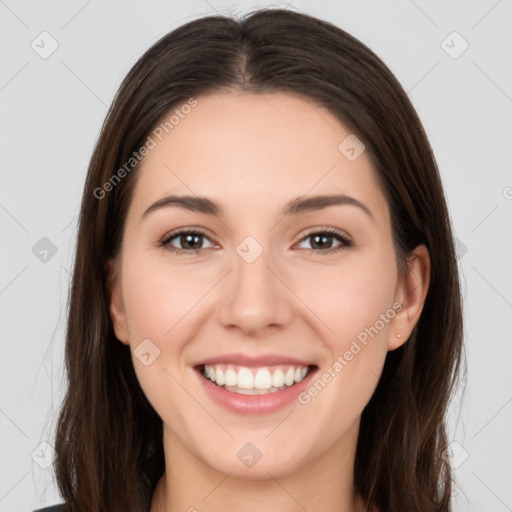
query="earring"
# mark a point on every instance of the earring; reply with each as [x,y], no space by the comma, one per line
[398,336]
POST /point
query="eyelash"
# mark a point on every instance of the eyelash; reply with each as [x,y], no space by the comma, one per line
[345,241]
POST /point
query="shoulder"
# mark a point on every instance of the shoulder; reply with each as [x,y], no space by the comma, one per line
[53,508]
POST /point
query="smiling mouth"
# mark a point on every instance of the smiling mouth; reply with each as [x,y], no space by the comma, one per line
[255,381]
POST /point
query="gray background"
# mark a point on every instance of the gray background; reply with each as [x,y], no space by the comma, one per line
[51,112]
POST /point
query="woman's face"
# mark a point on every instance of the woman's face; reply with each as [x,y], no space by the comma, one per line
[269,295]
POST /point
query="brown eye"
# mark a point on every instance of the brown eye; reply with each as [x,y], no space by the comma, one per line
[322,241]
[188,241]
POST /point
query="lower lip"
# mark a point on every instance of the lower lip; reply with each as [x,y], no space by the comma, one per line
[254,404]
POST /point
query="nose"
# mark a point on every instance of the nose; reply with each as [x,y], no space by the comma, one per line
[256,298]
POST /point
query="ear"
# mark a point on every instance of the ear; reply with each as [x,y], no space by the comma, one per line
[116,305]
[411,293]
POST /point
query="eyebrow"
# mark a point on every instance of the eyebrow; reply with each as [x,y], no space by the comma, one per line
[295,207]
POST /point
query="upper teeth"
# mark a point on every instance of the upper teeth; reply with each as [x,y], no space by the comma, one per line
[255,378]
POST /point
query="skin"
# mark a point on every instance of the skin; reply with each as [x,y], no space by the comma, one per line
[253,154]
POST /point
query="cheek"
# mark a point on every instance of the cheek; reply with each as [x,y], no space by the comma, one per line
[355,302]
[349,298]
[158,298]
[156,305]
[341,301]
[360,312]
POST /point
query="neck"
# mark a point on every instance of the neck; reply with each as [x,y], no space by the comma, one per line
[192,486]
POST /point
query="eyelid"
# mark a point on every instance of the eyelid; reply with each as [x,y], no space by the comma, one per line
[344,239]
[187,230]
[320,229]
[326,229]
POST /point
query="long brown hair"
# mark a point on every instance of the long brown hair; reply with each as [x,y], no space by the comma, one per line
[109,439]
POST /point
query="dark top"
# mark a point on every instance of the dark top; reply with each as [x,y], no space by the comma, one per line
[53,508]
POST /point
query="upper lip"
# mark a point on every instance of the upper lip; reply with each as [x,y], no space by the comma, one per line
[254,361]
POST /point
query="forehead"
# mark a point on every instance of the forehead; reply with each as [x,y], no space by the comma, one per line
[255,151]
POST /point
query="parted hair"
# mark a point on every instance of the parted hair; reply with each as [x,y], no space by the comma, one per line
[109,443]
